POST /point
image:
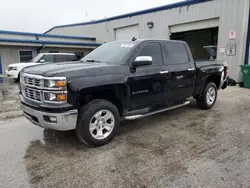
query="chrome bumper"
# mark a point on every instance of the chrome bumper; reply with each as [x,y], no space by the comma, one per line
[65,121]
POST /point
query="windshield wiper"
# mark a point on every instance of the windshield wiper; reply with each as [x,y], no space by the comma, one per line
[93,61]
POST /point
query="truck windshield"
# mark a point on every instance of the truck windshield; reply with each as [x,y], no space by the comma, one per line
[111,53]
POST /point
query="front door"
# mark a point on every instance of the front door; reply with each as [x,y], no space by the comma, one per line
[148,84]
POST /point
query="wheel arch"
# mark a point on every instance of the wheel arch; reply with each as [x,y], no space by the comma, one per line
[114,93]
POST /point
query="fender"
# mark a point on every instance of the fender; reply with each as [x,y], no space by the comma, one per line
[79,86]
[204,73]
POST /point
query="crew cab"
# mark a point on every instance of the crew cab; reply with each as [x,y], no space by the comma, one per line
[121,80]
[14,69]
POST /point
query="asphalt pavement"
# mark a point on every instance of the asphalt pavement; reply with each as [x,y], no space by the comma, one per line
[186,147]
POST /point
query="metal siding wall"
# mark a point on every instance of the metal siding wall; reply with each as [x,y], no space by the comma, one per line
[11,55]
[232,14]
[66,50]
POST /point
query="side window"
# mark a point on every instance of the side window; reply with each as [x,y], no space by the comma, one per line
[154,50]
[177,53]
[47,58]
[60,58]
[71,58]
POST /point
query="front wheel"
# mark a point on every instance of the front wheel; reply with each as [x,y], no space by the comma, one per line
[98,122]
[208,97]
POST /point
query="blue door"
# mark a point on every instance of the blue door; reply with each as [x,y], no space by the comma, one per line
[1,72]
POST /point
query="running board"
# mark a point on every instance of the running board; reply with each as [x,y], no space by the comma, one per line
[155,112]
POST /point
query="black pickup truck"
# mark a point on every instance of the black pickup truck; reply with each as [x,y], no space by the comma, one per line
[121,80]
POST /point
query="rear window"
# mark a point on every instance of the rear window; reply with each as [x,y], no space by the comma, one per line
[177,53]
[60,58]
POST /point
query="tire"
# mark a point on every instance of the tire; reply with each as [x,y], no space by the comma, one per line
[202,101]
[92,116]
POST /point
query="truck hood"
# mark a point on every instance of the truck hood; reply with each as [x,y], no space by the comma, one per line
[73,69]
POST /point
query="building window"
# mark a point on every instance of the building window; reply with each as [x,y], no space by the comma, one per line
[25,55]
[53,51]
[79,55]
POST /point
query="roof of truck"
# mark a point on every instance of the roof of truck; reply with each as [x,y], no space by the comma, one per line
[56,53]
[151,39]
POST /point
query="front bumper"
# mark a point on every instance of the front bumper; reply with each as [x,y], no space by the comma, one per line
[64,121]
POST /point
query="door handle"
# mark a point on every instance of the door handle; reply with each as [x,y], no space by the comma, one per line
[163,72]
[191,69]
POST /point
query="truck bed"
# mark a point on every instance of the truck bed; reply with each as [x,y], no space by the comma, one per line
[209,63]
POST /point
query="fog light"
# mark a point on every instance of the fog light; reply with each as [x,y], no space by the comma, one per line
[52,119]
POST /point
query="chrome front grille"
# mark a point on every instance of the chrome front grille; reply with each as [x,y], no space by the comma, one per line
[31,87]
[32,82]
[34,87]
[32,94]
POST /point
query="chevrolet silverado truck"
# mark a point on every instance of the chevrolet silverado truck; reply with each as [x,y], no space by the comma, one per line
[121,80]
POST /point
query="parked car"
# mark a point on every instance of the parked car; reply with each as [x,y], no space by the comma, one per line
[121,80]
[13,70]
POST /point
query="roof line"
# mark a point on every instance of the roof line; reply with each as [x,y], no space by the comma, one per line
[156,9]
[44,42]
[45,35]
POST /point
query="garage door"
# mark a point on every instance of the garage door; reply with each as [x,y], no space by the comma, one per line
[204,24]
[127,33]
[198,40]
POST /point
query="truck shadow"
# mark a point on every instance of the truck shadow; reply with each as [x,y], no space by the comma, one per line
[69,138]
[58,151]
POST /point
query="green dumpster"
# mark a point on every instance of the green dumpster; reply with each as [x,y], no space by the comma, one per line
[245,69]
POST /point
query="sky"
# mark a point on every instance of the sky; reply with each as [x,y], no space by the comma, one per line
[41,15]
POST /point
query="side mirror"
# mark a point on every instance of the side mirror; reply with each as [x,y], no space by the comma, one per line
[42,61]
[142,60]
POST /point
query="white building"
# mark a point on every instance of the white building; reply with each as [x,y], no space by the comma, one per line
[22,47]
[224,23]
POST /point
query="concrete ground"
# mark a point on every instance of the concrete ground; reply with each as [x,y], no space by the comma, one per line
[186,147]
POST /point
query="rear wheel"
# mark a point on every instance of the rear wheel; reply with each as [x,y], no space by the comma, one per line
[98,122]
[208,97]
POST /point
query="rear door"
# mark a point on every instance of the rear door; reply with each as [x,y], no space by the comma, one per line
[148,84]
[181,69]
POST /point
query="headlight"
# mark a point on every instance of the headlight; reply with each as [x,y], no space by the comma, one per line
[56,90]
[55,96]
[12,68]
[55,83]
